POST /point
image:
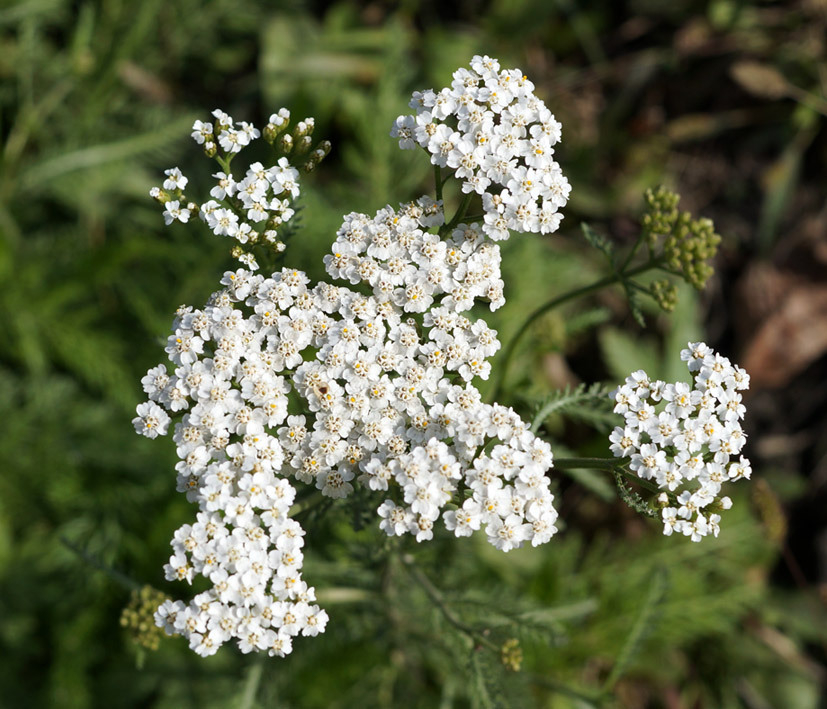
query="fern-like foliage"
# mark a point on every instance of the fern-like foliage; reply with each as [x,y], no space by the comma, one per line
[632,498]
[591,404]
[644,624]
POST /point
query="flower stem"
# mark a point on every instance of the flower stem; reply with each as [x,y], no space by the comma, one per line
[436,598]
[463,207]
[252,684]
[224,163]
[508,352]
[95,562]
[616,466]
[596,463]
[438,182]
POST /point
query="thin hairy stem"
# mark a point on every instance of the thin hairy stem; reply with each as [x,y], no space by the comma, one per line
[95,562]
[438,182]
[595,463]
[463,207]
[509,350]
[435,596]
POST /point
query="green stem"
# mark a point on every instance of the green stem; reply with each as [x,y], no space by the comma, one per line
[438,183]
[252,684]
[616,466]
[596,463]
[650,486]
[224,163]
[508,352]
[436,598]
[633,251]
[463,207]
[93,561]
[591,699]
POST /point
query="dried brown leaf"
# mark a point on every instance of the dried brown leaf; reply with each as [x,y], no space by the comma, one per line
[760,79]
[790,339]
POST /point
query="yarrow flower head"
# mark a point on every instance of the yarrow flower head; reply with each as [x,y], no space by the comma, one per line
[685,438]
[498,137]
[387,399]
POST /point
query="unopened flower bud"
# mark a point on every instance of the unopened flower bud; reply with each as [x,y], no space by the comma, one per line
[160,195]
[302,145]
[138,617]
[304,128]
[665,294]
[286,143]
[270,133]
[511,654]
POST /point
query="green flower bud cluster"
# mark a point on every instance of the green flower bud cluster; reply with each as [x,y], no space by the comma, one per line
[665,294]
[320,153]
[138,617]
[511,654]
[687,244]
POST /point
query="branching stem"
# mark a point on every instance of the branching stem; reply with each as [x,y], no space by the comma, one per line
[95,562]
[463,207]
[508,352]
[436,598]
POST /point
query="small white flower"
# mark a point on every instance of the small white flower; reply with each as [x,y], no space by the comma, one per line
[175,180]
[174,211]
[151,421]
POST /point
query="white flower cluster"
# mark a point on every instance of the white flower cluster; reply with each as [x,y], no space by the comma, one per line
[251,551]
[386,396]
[409,268]
[684,437]
[498,138]
[246,210]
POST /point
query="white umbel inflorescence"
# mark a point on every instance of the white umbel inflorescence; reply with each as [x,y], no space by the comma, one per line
[498,137]
[684,437]
[387,401]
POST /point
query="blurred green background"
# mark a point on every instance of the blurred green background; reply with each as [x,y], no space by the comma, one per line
[724,101]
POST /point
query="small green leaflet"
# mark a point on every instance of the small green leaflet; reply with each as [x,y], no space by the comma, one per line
[599,242]
[634,304]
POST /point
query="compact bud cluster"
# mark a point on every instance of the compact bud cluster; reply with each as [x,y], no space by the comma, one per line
[138,618]
[684,438]
[688,244]
[498,138]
